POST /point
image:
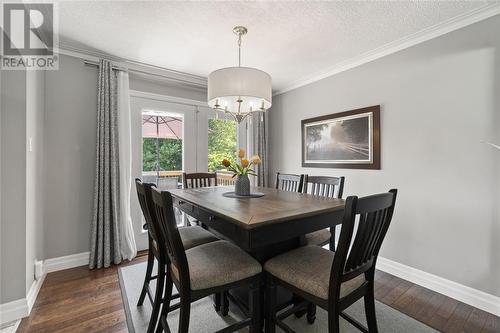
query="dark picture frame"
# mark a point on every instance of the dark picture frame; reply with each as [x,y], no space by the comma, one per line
[349,140]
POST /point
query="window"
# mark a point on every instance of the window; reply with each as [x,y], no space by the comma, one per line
[222,142]
[162,141]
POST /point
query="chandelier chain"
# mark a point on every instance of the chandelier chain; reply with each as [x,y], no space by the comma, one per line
[239,50]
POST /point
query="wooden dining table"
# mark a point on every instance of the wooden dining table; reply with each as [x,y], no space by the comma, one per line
[263,227]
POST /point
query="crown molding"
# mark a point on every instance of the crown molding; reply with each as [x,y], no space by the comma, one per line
[151,72]
[421,36]
[169,99]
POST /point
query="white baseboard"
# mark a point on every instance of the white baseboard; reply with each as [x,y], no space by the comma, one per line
[34,290]
[66,262]
[12,311]
[468,295]
[10,327]
[18,309]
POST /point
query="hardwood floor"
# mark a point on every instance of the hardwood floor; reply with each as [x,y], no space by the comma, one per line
[79,300]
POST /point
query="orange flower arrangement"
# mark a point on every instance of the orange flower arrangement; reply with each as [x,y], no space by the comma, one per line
[244,167]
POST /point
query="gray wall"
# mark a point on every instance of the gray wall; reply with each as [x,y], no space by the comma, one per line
[70,143]
[70,140]
[438,101]
[13,186]
[35,177]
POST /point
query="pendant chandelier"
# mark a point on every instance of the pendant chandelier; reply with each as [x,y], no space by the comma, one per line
[239,91]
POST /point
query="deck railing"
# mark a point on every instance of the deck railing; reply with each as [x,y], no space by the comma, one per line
[224,178]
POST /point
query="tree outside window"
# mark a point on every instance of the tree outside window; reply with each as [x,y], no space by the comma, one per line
[222,143]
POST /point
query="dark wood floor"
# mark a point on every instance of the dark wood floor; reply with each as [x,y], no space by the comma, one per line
[79,300]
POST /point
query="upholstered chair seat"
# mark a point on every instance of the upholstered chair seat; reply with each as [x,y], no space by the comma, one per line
[218,263]
[318,238]
[308,268]
[191,237]
[194,236]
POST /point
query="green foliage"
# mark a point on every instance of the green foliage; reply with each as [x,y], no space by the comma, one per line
[170,154]
[239,170]
[222,143]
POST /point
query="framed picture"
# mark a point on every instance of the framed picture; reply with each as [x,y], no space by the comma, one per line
[348,139]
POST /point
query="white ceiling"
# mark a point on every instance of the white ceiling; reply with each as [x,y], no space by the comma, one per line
[290,40]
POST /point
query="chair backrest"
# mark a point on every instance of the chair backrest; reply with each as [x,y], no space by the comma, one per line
[164,213]
[200,179]
[375,215]
[144,196]
[289,182]
[325,186]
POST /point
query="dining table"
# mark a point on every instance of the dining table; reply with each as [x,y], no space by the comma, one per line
[264,226]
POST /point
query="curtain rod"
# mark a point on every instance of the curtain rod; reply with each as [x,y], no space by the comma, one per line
[96,63]
[129,70]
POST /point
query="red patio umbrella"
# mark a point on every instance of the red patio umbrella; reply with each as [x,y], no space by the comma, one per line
[161,127]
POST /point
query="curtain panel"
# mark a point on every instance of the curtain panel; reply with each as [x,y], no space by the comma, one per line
[258,142]
[111,236]
[128,246]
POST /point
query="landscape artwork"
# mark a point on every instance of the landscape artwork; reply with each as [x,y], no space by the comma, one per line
[348,139]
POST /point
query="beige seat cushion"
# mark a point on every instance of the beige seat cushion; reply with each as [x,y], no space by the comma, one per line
[217,264]
[320,237]
[194,236]
[308,268]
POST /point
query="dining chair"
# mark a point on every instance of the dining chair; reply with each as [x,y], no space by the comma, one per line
[324,186]
[289,182]
[199,179]
[335,280]
[204,270]
[190,236]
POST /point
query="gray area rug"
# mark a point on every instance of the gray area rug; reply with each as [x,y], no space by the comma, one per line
[204,319]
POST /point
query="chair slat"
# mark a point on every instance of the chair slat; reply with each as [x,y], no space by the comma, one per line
[357,244]
[289,182]
[325,186]
[197,180]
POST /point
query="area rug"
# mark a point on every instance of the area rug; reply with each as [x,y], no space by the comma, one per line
[204,319]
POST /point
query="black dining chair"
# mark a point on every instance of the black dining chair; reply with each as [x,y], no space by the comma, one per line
[204,270]
[199,179]
[190,236]
[335,280]
[289,182]
[324,186]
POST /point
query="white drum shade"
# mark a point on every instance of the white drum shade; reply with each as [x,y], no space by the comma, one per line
[252,86]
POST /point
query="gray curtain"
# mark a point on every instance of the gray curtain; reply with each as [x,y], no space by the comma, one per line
[105,230]
[259,138]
